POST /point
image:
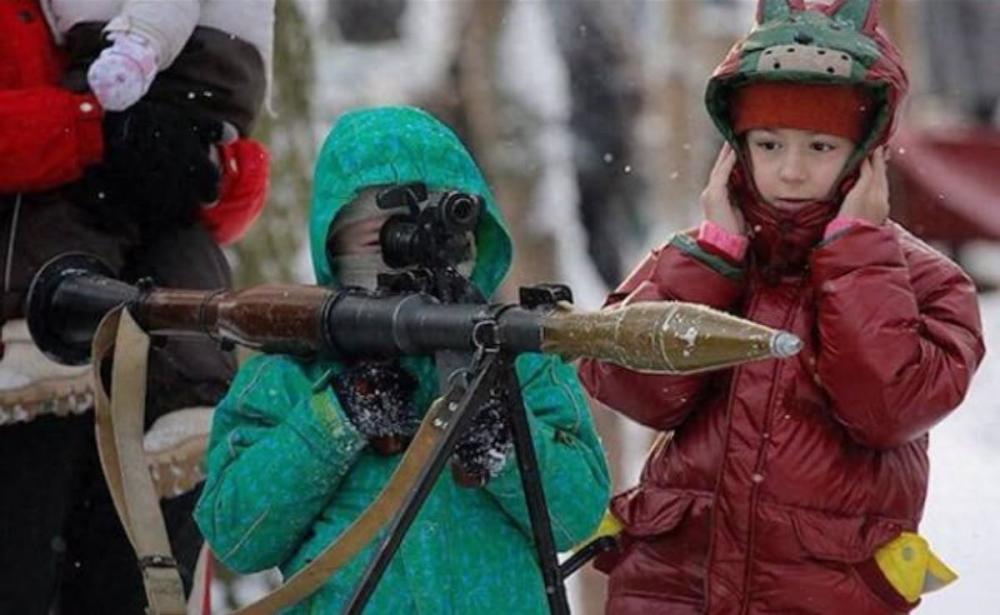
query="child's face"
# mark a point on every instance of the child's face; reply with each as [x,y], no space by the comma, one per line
[792,167]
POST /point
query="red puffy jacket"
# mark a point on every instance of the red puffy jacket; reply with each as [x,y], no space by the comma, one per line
[49,134]
[783,477]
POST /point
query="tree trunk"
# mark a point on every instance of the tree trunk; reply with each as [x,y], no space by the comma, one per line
[604,99]
[491,125]
[271,249]
[366,21]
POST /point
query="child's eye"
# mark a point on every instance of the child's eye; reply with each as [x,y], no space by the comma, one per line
[821,146]
[767,146]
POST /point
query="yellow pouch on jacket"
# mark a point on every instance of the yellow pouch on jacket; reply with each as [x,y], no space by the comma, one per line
[609,526]
[911,567]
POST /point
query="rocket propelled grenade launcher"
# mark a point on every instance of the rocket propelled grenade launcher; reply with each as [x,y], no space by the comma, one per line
[71,294]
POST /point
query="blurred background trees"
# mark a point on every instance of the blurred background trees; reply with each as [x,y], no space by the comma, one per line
[272,249]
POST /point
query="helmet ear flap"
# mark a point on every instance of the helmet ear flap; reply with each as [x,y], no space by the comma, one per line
[863,14]
[769,10]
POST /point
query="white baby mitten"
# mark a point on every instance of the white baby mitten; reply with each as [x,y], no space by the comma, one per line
[123,72]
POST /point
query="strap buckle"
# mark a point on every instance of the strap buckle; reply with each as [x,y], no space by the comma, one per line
[157,561]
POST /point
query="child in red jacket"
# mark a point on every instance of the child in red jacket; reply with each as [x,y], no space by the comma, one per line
[786,486]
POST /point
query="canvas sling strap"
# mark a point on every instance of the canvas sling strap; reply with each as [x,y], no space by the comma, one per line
[119,437]
[119,429]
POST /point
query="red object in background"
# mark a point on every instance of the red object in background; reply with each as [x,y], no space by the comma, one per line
[945,185]
[243,191]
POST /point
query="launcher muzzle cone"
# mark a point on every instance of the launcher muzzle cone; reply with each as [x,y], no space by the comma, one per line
[666,336]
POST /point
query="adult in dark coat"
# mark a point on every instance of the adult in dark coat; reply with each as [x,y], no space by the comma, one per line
[132,188]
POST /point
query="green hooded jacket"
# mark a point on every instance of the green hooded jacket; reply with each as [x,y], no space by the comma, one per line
[287,471]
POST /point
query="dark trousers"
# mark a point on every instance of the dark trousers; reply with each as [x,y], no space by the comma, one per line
[62,546]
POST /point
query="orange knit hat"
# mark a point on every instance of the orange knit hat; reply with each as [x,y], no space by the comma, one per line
[841,110]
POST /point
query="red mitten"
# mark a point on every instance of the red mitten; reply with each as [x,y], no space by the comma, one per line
[245,173]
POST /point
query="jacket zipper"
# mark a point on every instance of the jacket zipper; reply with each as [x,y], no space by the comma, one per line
[713,517]
[788,320]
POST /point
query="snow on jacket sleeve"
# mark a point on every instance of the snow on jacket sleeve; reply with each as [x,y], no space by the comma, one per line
[900,335]
[276,454]
[679,271]
[47,136]
[570,458]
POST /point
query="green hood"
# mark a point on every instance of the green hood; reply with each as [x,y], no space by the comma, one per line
[399,145]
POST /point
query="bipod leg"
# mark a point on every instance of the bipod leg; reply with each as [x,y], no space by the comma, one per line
[454,420]
[531,482]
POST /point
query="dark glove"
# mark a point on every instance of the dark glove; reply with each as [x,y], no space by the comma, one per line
[378,399]
[156,168]
[482,451]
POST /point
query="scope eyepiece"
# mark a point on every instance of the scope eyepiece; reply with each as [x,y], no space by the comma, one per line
[434,236]
[401,242]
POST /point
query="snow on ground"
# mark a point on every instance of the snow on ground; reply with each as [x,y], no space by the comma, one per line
[963,505]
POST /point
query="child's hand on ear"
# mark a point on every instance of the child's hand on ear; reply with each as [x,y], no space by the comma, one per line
[714,200]
[869,198]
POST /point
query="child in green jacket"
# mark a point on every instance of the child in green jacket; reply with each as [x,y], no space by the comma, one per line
[289,469]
